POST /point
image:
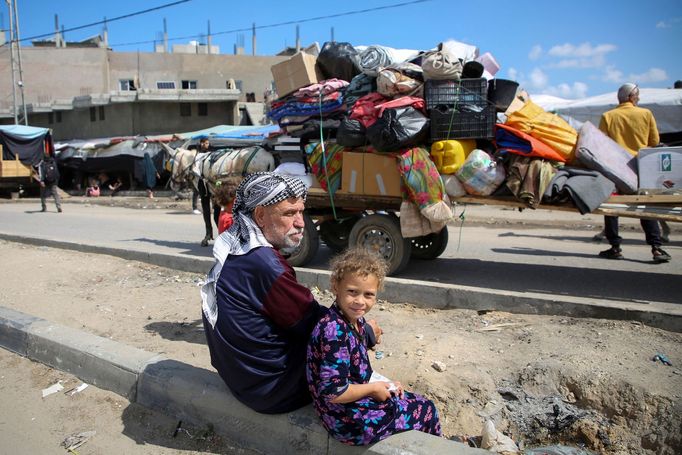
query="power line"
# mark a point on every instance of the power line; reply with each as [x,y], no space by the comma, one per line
[280,24]
[106,21]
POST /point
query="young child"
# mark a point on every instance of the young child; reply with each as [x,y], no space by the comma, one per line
[223,196]
[352,409]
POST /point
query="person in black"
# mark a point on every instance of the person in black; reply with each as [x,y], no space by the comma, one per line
[48,177]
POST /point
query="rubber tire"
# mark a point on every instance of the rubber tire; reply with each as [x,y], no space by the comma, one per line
[430,246]
[381,233]
[307,250]
[336,234]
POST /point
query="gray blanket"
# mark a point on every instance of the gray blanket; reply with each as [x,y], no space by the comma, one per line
[587,189]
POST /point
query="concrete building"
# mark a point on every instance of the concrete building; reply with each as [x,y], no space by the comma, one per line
[92,91]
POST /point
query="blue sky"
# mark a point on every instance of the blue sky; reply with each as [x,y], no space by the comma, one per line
[568,49]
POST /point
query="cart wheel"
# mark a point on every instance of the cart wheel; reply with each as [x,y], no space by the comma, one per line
[381,233]
[307,250]
[430,246]
[335,233]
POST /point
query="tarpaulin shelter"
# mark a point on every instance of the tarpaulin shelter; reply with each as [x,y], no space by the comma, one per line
[665,104]
[26,142]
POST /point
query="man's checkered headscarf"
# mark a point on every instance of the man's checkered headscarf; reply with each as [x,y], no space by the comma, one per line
[257,189]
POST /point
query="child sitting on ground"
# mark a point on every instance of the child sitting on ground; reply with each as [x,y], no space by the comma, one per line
[223,195]
[354,410]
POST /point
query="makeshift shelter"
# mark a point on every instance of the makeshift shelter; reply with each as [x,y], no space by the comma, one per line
[665,104]
[27,142]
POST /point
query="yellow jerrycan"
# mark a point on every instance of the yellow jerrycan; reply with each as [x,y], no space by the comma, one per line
[449,155]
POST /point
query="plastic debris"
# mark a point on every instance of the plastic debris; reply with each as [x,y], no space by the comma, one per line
[76,440]
[75,390]
[439,366]
[662,358]
[495,441]
[557,450]
[379,355]
[54,388]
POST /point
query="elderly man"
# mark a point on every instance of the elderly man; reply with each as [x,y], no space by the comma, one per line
[257,317]
[633,128]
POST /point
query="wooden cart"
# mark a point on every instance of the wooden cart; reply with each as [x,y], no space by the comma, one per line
[373,222]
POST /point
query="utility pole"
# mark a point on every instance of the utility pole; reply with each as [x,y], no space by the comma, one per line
[11,59]
[14,42]
[21,72]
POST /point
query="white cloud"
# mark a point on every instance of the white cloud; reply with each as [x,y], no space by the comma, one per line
[584,50]
[571,91]
[535,52]
[651,75]
[538,79]
[669,23]
[611,74]
[513,73]
[583,55]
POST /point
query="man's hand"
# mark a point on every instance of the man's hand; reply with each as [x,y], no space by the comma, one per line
[377,330]
[42,184]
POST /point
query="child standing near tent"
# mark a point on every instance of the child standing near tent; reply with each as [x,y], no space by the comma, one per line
[354,410]
[223,195]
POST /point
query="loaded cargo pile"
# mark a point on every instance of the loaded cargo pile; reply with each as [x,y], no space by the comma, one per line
[430,125]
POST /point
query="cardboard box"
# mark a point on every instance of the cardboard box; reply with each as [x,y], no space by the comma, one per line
[381,176]
[352,168]
[660,168]
[299,71]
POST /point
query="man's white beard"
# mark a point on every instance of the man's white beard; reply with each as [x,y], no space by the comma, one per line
[289,246]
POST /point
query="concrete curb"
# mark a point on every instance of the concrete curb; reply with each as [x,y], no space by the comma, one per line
[424,294]
[189,393]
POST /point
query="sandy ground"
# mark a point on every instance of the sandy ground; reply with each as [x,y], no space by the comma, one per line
[541,379]
[109,424]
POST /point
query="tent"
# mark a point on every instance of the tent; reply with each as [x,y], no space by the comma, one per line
[27,142]
[665,104]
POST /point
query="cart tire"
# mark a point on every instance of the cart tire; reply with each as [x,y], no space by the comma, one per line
[430,246]
[381,233]
[336,233]
[307,250]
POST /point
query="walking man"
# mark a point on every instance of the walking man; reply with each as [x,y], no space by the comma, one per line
[48,177]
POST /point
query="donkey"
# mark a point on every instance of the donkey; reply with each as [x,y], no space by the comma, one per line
[206,169]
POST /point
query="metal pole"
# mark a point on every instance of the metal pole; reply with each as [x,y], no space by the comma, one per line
[11,57]
[21,73]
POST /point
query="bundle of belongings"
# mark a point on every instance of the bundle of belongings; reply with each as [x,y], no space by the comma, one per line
[443,126]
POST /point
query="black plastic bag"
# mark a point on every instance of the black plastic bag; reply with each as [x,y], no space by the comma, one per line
[339,60]
[398,129]
[351,133]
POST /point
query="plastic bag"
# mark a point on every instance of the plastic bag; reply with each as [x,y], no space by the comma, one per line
[339,60]
[398,129]
[351,133]
[480,175]
[439,65]
[394,82]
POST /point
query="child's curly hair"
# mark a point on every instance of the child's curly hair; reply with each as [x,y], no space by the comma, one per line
[358,261]
[225,191]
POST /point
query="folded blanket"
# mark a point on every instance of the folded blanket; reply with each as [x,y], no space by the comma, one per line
[587,189]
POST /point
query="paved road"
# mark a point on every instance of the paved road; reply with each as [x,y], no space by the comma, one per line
[494,249]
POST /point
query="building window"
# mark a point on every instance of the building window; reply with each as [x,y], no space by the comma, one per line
[202,109]
[185,109]
[101,112]
[189,85]
[59,116]
[165,85]
[50,118]
[93,114]
[126,85]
